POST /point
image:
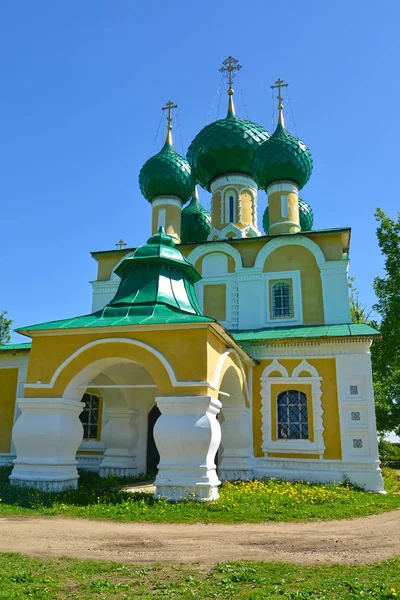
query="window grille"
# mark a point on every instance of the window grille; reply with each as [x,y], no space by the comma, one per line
[292,415]
[354,390]
[281,300]
[90,416]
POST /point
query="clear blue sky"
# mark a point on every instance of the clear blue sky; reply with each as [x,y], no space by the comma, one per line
[82,84]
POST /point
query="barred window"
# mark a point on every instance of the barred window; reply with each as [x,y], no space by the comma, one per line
[292,415]
[281,300]
[90,416]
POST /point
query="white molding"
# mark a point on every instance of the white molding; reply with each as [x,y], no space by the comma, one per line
[280,445]
[233,179]
[166,200]
[283,186]
[297,240]
[313,348]
[209,248]
[291,223]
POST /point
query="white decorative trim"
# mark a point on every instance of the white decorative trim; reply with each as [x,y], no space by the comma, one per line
[89,462]
[291,223]
[283,186]
[6,459]
[281,445]
[297,240]
[233,179]
[249,231]
[313,348]
[166,200]
[209,248]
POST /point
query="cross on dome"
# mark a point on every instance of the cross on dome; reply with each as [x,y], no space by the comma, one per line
[279,84]
[169,107]
[229,66]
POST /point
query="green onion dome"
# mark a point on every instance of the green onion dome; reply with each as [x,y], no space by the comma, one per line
[166,174]
[196,221]
[225,146]
[305,213]
[282,158]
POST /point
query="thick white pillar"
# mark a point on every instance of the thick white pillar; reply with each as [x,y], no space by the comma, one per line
[187,436]
[120,436]
[236,456]
[46,437]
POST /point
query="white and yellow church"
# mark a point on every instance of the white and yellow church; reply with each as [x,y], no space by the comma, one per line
[214,351]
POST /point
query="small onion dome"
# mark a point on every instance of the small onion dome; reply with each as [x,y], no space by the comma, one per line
[225,146]
[305,213]
[196,221]
[166,174]
[282,158]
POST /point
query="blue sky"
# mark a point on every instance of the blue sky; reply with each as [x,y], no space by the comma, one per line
[82,85]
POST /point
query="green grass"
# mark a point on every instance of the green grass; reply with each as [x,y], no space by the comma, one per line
[240,502]
[23,577]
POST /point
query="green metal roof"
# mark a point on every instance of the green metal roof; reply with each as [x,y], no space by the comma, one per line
[312,331]
[157,286]
[15,347]
[225,146]
[282,157]
[305,213]
[166,174]
[195,221]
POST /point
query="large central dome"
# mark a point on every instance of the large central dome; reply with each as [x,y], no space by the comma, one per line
[225,146]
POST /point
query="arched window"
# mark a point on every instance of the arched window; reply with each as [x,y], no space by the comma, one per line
[231,209]
[292,415]
[281,300]
[90,416]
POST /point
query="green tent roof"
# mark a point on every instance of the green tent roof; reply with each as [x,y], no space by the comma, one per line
[15,347]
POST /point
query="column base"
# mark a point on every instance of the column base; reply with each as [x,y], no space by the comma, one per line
[47,477]
[180,493]
[235,474]
[118,471]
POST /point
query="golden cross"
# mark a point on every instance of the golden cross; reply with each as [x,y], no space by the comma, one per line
[121,244]
[230,65]
[279,83]
[169,106]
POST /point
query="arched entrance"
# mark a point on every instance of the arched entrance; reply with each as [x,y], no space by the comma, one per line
[152,454]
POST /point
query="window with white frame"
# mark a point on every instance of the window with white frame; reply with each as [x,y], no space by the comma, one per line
[281,300]
[292,415]
[230,205]
[90,416]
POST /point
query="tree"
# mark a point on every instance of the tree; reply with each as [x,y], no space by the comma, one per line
[386,354]
[358,310]
[5,328]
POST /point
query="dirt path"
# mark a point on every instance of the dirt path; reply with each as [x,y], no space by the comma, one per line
[357,541]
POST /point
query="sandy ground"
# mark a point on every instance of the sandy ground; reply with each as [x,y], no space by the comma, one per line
[355,541]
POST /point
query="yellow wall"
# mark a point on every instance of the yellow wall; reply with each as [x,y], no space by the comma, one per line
[275,213]
[8,392]
[299,258]
[247,208]
[214,301]
[216,210]
[107,263]
[326,368]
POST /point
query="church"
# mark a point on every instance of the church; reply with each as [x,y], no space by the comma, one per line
[216,351]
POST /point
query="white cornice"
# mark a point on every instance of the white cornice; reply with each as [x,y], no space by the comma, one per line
[291,223]
[233,179]
[166,200]
[309,348]
[283,186]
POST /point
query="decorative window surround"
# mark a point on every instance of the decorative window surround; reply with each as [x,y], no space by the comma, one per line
[290,446]
[295,278]
[229,281]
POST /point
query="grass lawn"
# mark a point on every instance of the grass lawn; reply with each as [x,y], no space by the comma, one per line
[244,502]
[24,577]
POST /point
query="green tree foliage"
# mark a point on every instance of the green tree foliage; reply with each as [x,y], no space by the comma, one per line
[386,354]
[5,328]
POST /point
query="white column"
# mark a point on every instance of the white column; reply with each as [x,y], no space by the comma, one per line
[187,436]
[235,443]
[46,437]
[335,292]
[120,436]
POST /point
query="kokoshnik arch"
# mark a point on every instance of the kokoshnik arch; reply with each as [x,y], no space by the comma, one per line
[213,352]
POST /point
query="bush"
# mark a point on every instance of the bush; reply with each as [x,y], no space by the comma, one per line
[388,451]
